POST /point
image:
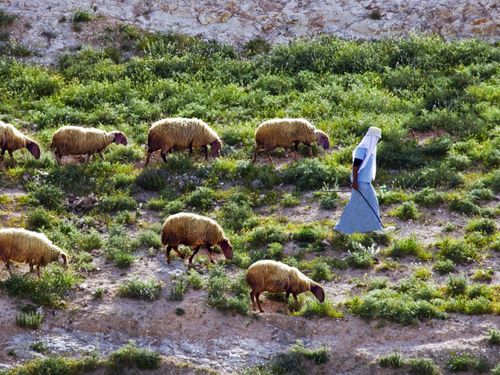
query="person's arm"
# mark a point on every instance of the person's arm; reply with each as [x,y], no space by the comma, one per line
[355,169]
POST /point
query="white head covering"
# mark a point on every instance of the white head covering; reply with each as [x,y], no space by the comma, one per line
[369,142]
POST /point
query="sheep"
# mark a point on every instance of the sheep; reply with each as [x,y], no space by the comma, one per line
[175,134]
[286,132]
[24,246]
[194,230]
[12,139]
[276,277]
[77,140]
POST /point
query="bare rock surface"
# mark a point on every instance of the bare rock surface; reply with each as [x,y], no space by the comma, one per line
[45,25]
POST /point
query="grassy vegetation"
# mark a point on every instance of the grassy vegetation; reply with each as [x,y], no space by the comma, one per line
[145,290]
[410,87]
[127,357]
[296,361]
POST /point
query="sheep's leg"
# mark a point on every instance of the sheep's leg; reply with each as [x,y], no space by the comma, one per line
[268,150]
[179,254]
[191,148]
[252,296]
[194,253]
[295,297]
[205,151]
[3,152]
[11,156]
[32,269]
[164,155]
[257,295]
[101,155]
[254,157]
[38,270]
[58,158]
[167,255]
[310,149]
[148,158]
[7,265]
[210,254]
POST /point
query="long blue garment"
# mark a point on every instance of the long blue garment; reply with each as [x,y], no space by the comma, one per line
[357,215]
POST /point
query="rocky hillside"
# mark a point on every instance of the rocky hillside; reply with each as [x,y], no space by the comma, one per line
[47,26]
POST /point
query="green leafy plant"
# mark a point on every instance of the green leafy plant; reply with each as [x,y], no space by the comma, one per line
[137,289]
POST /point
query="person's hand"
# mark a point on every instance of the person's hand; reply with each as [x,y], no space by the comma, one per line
[355,185]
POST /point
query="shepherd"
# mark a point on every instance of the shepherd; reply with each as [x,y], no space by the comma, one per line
[362,213]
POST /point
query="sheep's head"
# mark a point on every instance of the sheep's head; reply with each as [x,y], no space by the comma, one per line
[34,149]
[120,138]
[215,147]
[322,139]
[227,249]
[318,292]
[59,256]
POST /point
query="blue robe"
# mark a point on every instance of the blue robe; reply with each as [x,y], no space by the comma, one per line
[357,215]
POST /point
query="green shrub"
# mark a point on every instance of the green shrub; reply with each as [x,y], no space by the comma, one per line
[321,271]
[310,174]
[466,362]
[407,211]
[487,226]
[90,241]
[456,250]
[456,284]
[235,215]
[39,347]
[202,198]
[329,201]
[308,233]
[296,361]
[31,320]
[119,248]
[49,290]
[484,194]
[131,356]
[39,219]
[363,257]
[393,360]
[266,234]
[194,279]
[422,366]
[137,289]
[152,179]
[82,16]
[428,197]
[289,200]
[178,288]
[149,238]
[51,197]
[444,266]
[56,366]
[494,337]
[464,206]
[117,202]
[483,274]
[312,307]
[226,295]
[408,246]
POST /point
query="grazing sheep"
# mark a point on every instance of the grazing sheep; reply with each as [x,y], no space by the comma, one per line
[76,140]
[12,139]
[175,134]
[285,133]
[276,277]
[23,246]
[194,231]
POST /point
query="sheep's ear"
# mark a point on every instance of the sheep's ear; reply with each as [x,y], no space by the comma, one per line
[34,149]
[318,292]
[64,258]
[120,139]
